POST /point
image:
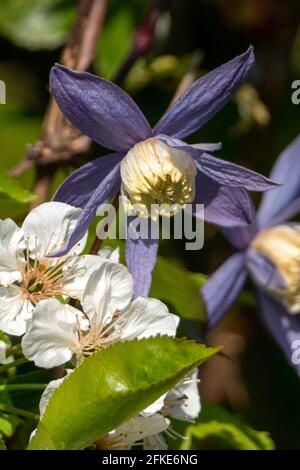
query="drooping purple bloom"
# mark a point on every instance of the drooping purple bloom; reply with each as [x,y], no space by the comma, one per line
[256,256]
[106,114]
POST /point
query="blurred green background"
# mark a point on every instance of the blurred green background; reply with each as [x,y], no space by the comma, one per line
[255,381]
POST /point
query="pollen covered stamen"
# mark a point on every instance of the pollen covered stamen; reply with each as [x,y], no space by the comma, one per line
[281,244]
[154,173]
[42,277]
[98,337]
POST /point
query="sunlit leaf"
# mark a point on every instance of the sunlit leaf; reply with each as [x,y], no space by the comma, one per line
[178,288]
[113,386]
[10,187]
[36,24]
[226,431]
[2,445]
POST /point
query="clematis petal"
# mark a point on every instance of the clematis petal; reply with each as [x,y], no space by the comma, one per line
[207,147]
[11,252]
[287,171]
[222,171]
[79,187]
[233,175]
[284,327]
[108,290]
[241,237]
[15,311]
[141,256]
[223,287]
[205,97]
[99,108]
[289,212]
[48,227]
[52,336]
[263,272]
[147,317]
[223,205]
[109,186]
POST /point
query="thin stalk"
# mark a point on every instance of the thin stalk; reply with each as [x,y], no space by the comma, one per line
[19,412]
[15,363]
[14,387]
[15,350]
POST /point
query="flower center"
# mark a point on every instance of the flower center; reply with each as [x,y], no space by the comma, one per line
[155,174]
[42,277]
[281,245]
[97,337]
[40,281]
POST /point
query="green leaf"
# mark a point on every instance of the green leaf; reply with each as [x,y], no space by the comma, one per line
[178,288]
[18,128]
[2,445]
[115,41]
[172,284]
[225,429]
[10,187]
[36,24]
[113,386]
[8,422]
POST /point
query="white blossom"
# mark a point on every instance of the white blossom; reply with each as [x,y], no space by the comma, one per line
[59,332]
[27,272]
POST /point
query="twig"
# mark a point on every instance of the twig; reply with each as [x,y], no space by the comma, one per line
[60,141]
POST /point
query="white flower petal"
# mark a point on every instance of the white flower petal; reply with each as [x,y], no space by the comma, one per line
[147,317]
[11,252]
[49,390]
[154,407]
[110,254]
[77,273]
[109,289]
[155,442]
[49,226]
[135,430]
[187,408]
[3,348]
[14,310]
[52,336]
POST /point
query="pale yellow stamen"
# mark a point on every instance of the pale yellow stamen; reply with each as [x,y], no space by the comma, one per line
[281,244]
[155,173]
[97,337]
[42,277]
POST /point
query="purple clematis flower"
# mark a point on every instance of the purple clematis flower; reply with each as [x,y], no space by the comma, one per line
[146,162]
[269,251]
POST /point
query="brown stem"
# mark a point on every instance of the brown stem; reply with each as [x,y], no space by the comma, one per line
[60,141]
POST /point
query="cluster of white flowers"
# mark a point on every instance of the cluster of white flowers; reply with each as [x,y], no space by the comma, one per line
[34,291]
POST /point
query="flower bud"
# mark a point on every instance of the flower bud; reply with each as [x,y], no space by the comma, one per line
[154,173]
[281,245]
